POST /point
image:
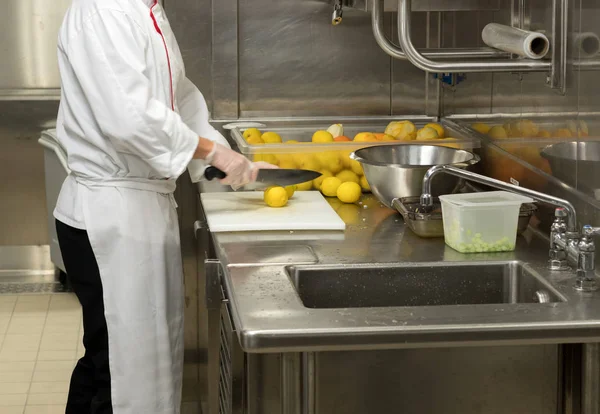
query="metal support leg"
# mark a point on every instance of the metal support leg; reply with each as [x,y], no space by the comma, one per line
[291,384]
[590,389]
[309,402]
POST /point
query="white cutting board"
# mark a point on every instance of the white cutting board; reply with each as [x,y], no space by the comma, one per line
[246,211]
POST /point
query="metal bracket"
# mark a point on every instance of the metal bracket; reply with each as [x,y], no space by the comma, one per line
[213,284]
[560,34]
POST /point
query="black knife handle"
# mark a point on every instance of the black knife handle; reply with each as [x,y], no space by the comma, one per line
[212,172]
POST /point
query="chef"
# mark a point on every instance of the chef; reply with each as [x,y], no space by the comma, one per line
[130,122]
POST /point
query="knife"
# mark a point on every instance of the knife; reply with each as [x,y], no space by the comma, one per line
[281,177]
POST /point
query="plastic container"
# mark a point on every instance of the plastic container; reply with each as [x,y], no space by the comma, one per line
[330,158]
[482,222]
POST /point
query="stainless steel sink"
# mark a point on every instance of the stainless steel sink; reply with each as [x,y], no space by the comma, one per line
[422,284]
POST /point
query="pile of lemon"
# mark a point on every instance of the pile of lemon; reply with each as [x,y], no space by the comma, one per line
[528,129]
[341,176]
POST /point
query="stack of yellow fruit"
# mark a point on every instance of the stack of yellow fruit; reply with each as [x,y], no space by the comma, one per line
[338,163]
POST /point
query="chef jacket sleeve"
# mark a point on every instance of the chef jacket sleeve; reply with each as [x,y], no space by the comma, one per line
[110,56]
[194,112]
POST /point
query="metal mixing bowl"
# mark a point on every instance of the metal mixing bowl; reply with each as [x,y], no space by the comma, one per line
[568,158]
[397,171]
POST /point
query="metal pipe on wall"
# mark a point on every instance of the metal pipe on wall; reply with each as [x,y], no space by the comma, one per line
[428,65]
[397,53]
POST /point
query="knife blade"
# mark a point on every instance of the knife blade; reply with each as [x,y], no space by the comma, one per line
[281,177]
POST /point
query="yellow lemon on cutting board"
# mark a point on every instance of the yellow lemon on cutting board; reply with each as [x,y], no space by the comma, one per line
[322,137]
[349,192]
[330,185]
[307,186]
[319,180]
[290,189]
[271,138]
[250,132]
[439,129]
[348,176]
[364,184]
[276,197]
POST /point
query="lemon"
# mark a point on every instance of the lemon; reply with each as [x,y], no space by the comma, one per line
[348,176]
[257,158]
[356,167]
[427,134]
[330,160]
[271,138]
[317,181]
[291,141]
[364,184]
[345,158]
[276,196]
[481,128]
[307,186]
[254,140]
[330,185]
[387,137]
[349,192]
[309,162]
[285,158]
[290,189]
[439,129]
[322,137]
[251,131]
[287,165]
[498,132]
[270,158]
[365,137]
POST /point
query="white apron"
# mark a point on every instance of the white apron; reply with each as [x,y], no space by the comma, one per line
[139,257]
[133,229]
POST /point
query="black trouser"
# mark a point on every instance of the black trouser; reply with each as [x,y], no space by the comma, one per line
[89,391]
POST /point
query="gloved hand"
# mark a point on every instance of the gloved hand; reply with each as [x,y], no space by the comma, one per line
[240,171]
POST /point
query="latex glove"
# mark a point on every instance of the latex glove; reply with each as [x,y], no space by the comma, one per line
[240,171]
[261,165]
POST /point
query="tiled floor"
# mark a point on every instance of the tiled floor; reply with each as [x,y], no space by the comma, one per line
[40,340]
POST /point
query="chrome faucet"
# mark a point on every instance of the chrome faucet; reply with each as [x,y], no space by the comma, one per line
[567,245]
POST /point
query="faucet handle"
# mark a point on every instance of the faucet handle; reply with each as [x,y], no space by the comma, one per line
[560,213]
[589,231]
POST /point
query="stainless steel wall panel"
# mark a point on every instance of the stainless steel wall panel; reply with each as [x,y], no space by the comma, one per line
[29,31]
[293,62]
[409,84]
[225,60]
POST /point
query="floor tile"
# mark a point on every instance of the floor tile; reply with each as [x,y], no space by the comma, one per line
[34,298]
[56,356]
[45,409]
[4,323]
[54,365]
[12,410]
[1,340]
[17,366]
[28,307]
[13,400]
[52,376]
[17,356]
[13,388]
[22,342]
[16,376]
[7,306]
[47,399]
[59,341]
[49,388]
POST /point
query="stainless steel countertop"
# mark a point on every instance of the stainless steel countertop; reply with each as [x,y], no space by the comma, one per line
[270,316]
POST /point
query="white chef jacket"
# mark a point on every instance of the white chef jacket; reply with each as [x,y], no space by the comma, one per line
[127,110]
